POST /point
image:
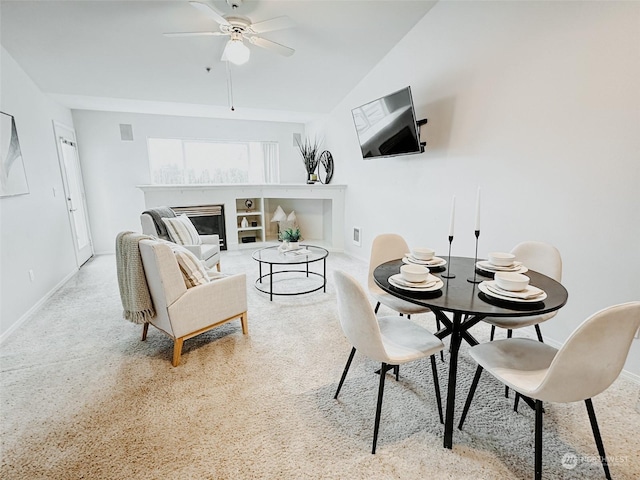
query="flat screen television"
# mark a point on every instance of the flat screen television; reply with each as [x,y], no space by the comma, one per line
[387,126]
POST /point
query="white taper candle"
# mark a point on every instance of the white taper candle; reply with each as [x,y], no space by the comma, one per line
[453,214]
[478,211]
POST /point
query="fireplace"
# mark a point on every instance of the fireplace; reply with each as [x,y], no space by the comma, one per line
[208,220]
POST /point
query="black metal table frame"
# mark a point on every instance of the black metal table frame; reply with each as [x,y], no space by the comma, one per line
[306,262]
[458,327]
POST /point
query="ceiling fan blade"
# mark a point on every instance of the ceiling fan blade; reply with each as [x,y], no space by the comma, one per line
[210,12]
[273,46]
[277,23]
[192,34]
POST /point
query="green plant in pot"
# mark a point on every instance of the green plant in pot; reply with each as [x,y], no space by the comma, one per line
[310,152]
[292,237]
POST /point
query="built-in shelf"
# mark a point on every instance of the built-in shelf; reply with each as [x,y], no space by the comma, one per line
[319,209]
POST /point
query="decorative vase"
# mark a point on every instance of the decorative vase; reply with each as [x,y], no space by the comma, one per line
[244,223]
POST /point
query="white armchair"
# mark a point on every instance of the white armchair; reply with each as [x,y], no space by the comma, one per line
[183,313]
[208,251]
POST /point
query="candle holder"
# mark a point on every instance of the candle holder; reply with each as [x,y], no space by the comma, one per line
[474,279]
[449,275]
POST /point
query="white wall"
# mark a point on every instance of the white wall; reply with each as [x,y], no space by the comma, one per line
[35,233]
[112,168]
[536,102]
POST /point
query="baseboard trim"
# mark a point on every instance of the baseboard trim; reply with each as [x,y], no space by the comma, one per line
[29,313]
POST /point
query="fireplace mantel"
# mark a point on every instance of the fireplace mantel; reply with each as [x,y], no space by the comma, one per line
[320,208]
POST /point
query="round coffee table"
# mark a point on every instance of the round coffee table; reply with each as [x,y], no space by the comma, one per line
[304,256]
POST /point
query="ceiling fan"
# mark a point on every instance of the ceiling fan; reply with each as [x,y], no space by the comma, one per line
[238,29]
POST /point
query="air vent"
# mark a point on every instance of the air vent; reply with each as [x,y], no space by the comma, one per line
[126,132]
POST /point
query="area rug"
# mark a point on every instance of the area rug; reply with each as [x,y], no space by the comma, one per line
[84,397]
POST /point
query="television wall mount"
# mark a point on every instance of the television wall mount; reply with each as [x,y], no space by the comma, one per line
[420,123]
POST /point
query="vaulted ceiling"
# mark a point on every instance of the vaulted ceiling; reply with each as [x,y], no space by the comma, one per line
[113,55]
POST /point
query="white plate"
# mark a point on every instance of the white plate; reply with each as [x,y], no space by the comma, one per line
[435,262]
[397,281]
[484,288]
[486,266]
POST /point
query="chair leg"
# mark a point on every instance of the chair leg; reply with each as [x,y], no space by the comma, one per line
[472,391]
[438,329]
[396,371]
[244,322]
[538,441]
[145,330]
[218,266]
[377,307]
[516,401]
[506,389]
[346,369]
[379,407]
[597,437]
[177,351]
[436,384]
[493,332]
[539,333]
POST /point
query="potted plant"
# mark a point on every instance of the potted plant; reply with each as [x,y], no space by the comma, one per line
[309,150]
[292,237]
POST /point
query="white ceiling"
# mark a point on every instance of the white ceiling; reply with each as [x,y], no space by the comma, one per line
[111,55]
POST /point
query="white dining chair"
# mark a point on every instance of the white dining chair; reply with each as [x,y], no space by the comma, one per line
[586,365]
[543,258]
[392,341]
[387,247]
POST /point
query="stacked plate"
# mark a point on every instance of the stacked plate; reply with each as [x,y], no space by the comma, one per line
[528,295]
[431,284]
[487,266]
[433,263]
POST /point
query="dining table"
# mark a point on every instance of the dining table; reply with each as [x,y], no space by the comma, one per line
[460,304]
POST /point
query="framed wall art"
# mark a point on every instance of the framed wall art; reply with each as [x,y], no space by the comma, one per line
[13,179]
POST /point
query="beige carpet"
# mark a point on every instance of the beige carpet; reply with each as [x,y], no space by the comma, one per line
[83,397]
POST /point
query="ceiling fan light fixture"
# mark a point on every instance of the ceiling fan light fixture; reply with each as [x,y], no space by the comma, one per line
[236,51]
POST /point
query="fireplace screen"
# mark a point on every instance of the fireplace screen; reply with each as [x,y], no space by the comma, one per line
[208,220]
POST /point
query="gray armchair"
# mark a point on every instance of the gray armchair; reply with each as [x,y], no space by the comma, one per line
[208,252]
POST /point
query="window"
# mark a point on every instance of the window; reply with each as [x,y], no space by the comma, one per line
[177,161]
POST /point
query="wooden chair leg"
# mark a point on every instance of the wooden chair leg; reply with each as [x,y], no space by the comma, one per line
[245,323]
[145,329]
[177,351]
[218,266]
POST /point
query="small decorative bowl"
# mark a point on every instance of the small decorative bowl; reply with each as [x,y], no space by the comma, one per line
[414,273]
[423,253]
[500,259]
[513,282]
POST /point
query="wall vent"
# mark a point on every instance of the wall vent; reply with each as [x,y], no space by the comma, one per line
[357,236]
[126,132]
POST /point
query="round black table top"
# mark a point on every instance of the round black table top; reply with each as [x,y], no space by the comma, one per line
[460,296]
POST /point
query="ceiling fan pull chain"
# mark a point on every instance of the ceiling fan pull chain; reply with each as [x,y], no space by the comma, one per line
[230,87]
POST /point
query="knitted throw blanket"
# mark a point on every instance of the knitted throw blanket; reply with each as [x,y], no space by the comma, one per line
[157,214]
[134,291]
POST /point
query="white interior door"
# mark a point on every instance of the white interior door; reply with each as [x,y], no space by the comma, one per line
[74,191]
